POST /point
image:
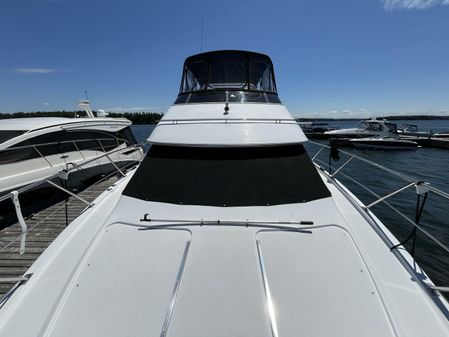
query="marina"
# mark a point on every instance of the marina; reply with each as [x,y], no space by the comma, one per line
[379,134]
[232,202]
[440,143]
[238,169]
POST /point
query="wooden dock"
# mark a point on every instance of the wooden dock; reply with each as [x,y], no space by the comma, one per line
[18,252]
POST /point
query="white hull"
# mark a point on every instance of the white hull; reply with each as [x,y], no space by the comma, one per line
[226,228]
[15,175]
[384,144]
[39,148]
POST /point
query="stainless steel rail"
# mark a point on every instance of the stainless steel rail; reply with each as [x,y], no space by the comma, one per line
[75,167]
[402,176]
[14,195]
[12,148]
[421,189]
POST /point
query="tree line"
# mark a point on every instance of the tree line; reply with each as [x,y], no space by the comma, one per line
[390,118]
[134,117]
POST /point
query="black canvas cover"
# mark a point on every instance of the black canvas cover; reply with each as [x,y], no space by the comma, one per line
[226,177]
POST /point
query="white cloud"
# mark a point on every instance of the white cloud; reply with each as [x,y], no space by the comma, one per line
[363,111]
[391,5]
[28,71]
[39,71]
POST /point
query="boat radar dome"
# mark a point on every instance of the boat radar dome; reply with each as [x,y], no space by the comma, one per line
[101,113]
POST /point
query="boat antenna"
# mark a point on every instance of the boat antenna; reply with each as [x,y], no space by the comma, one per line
[202,28]
[85,94]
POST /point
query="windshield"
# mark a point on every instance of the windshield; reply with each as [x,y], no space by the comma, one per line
[227,177]
[391,127]
[9,134]
[228,70]
[374,127]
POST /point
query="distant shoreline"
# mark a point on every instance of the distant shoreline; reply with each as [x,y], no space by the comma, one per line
[390,118]
[154,117]
[134,117]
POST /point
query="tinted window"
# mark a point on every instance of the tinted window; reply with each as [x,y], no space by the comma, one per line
[126,134]
[261,75]
[9,134]
[61,142]
[91,140]
[230,96]
[229,70]
[250,176]
[196,76]
[13,155]
[374,127]
[201,97]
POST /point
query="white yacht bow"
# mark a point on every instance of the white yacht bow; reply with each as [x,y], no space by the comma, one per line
[226,228]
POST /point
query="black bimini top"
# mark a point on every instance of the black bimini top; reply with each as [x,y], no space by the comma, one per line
[228,76]
[227,177]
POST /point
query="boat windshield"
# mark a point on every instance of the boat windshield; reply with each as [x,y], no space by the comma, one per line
[9,134]
[391,127]
[228,70]
[373,126]
[227,177]
[228,76]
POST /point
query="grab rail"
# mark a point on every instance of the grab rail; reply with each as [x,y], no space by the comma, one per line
[422,189]
[64,142]
[75,166]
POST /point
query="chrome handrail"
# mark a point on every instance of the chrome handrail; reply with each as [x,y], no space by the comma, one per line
[379,166]
[65,142]
[28,229]
[421,187]
[74,167]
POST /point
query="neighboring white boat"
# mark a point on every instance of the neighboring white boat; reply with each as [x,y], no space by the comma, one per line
[411,130]
[367,128]
[38,148]
[32,149]
[226,228]
[378,143]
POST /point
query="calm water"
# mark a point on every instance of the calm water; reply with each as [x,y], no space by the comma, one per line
[427,164]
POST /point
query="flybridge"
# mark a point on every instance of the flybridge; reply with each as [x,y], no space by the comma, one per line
[228,76]
[224,80]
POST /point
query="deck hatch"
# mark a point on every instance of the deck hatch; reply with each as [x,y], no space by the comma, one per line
[125,285]
[320,286]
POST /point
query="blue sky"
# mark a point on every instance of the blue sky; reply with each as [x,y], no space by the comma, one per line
[334,58]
